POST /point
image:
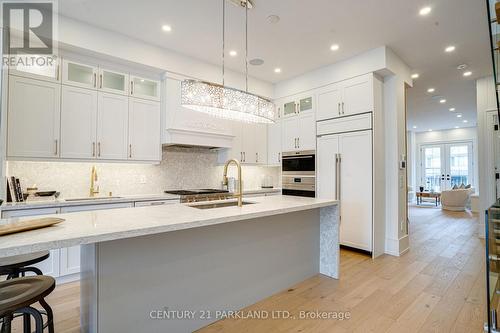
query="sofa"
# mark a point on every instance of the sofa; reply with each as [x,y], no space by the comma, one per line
[456,200]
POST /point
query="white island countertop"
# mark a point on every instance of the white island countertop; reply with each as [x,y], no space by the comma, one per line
[98,226]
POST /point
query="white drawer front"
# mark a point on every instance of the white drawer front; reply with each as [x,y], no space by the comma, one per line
[347,124]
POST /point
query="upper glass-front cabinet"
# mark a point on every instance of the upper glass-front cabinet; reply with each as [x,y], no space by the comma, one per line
[144,88]
[296,106]
[80,75]
[47,71]
[113,82]
[289,108]
[305,104]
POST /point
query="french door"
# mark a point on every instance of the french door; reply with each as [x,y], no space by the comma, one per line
[445,165]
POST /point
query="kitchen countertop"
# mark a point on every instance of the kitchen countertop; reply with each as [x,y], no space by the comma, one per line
[106,225]
[60,202]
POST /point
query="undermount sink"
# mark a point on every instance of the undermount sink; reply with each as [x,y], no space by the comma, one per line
[220,204]
[92,198]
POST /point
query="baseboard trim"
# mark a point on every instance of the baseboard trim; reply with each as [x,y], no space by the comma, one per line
[397,247]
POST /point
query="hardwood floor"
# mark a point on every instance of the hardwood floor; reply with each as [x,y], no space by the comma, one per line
[438,286]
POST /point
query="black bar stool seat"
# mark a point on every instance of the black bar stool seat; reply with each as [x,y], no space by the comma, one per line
[16,266]
[17,296]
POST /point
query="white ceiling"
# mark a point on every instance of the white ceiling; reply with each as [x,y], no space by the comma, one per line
[301,40]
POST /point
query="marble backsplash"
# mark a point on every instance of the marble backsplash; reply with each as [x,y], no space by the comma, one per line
[180,168]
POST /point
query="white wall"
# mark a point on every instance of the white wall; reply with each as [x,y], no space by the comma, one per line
[486,106]
[440,137]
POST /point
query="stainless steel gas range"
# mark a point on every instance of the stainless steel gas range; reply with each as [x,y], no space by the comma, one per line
[201,195]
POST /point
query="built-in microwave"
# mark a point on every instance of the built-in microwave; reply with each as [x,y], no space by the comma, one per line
[299,173]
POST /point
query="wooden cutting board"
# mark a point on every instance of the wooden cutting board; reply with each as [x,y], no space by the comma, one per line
[25,225]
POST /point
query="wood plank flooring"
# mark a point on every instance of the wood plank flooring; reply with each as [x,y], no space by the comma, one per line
[438,286]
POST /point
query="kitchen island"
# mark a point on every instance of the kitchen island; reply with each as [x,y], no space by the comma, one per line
[172,268]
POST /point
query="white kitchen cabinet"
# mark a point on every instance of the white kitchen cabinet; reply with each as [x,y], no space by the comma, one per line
[260,143]
[112,126]
[290,133]
[113,82]
[30,133]
[144,130]
[296,104]
[345,173]
[346,98]
[47,72]
[306,139]
[249,145]
[329,101]
[144,88]
[274,139]
[78,122]
[299,132]
[79,74]
[358,95]
[51,265]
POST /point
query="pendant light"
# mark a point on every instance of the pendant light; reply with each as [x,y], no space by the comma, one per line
[224,102]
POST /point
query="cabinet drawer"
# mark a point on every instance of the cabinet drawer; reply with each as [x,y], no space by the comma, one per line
[347,124]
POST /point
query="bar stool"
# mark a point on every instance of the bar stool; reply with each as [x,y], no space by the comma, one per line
[17,266]
[17,297]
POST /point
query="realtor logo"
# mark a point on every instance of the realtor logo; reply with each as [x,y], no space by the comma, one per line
[28,28]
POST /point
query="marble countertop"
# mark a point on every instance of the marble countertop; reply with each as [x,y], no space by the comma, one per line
[60,202]
[106,225]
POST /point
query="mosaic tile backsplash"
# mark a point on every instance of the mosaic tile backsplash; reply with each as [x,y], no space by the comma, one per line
[180,168]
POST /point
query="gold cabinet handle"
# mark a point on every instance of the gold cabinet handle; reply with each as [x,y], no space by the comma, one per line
[131,87]
[95,80]
[93,149]
[56,152]
[57,72]
[98,149]
[100,81]
[130,150]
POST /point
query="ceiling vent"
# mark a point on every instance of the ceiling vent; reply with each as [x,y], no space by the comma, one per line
[243,3]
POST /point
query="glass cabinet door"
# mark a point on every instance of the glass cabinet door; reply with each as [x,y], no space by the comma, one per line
[144,88]
[79,74]
[113,82]
[46,70]
[305,104]
[289,109]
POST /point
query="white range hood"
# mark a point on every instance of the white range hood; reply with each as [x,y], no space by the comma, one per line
[185,127]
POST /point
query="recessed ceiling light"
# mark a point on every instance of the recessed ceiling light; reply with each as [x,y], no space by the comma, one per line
[449,49]
[430,129]
[256,62]
[459,116]
[166,28]
[415,76]
[457,127]
[431,90]
[277,70]
[334,47]
[466,121]
[415,127]
[273,19]
[452,109]
[461,67]
[467,73]
[425,11]
[233,53]
[442,101]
